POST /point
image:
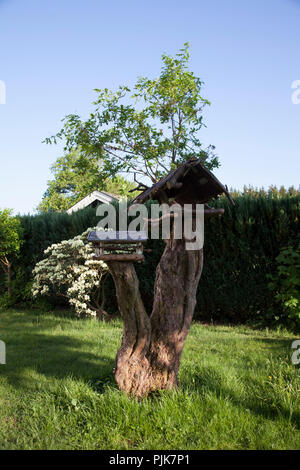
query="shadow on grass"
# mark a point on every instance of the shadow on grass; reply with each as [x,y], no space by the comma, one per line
[210,380]
[30,350]
[56,356]
[282,344]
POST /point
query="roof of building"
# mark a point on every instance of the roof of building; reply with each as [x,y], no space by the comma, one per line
[101,196]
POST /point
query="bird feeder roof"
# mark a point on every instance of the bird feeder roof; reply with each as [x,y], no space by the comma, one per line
[97,236]
[190,183]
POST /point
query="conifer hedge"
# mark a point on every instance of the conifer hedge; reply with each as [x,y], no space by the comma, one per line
[240,249]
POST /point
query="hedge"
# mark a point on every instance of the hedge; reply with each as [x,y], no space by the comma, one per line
[239,252]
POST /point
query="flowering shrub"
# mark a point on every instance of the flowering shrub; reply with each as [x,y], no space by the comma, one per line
[69,270]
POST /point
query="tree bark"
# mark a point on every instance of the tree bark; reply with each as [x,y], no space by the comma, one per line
[150,354]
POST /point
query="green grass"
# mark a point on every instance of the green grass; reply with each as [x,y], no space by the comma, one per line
[238,389]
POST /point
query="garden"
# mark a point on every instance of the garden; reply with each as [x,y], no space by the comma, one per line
[238,389]
[125,346]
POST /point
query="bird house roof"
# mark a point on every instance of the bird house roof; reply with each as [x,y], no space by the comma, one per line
[190,183]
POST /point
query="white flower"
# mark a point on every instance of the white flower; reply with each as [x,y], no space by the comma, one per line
[69,267]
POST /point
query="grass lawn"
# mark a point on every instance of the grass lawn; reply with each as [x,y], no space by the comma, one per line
[238,389]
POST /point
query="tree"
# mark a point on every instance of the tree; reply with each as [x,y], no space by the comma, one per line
[10,242]
[69,270]
[149,138]
[74,177]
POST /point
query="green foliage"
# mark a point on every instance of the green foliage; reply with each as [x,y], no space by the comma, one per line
[10,244]
[240,250]
[38,233]
[237,389]
[286,284]
[74,177]
[10,234]
[150,137]
[6,301]
[272,191]
[42,230]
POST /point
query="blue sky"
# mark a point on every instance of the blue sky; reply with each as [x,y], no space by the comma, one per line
[54,53]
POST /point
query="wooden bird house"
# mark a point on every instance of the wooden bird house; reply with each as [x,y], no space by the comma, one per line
[190,183]
[118,246]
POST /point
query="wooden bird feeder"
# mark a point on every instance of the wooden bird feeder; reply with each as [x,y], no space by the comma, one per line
[118,246]
[149,357]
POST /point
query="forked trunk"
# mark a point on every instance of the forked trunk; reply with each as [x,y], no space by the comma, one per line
[150,354]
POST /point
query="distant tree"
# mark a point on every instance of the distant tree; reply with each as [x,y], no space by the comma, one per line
[74,177]
[272,191]
[10,242]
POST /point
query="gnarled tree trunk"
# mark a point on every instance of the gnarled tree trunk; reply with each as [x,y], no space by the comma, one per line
[150,353]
